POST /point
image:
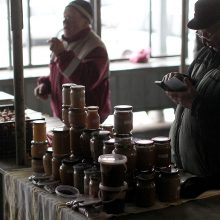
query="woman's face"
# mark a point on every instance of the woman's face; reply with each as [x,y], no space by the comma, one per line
[73,22]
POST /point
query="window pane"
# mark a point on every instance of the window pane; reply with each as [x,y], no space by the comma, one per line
[125,26]
[166,27]
[4,61]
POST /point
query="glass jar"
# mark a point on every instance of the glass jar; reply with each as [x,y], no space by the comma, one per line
[145,190]
[66,171]
[77,117]
[39,131]
[87,174]
[78,176]
[97,143]
[93,118]
[169,185]
[56,163]
[61,141]
[145,150]
[94,185]
[66,93]
[108,127]
[75,145]
[37,165]
[77,96]
[65,115]
[123,119]
[85,143]
[123,139]
[38,149]
[47,161]
[163,151]
[109,146]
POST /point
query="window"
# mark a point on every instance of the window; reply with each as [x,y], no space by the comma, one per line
[127,26]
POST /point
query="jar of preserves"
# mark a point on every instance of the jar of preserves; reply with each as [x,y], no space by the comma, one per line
[163,151]
[77,96]
[109,146]
[87,174]
[38,149]
[39,131]
[37,165]
[65,115]
[66,93]
[47,161]
[94,185]
[77,117]
[93,118]
[66,171]
[85,143]
[145,190]
[123,119]
[145,150]
[97,143]
[75,145]
[169,185]
[61,141]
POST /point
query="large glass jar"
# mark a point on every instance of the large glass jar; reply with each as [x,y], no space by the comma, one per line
[146,153]
[145,190]
[77,96]
[163,151]
[66,171]
[97,143]
[66,93]
[47,161]
[123,119]
[61,141]
[77,117]
[39,130]
[169,185]
[93,118]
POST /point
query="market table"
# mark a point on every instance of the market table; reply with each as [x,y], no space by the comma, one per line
[24,201]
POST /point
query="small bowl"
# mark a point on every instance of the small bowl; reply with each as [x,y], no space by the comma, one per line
[67,191]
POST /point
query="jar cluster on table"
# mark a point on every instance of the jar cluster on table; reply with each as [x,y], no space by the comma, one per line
[106,161]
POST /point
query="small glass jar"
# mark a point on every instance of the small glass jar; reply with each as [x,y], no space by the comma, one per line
[38,149]
[109,146]
[47,161]
[39,131]
[77,96]
[65,115]
[93,118]
[163,151]
[123,119]
[66,171]
[56,163]
[37,165]
[108,127]
[77,117]
[87,174]
[61,141]
[97,143]
[145,190]
[94,185]
[145,150]
[75,145]
[169,185]
[66,93]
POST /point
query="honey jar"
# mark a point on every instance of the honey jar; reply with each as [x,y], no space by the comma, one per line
[77,96]
[66,93]
[47,161]
[39,131]
[38,149]
[93,118]
[37,165]
[77,117]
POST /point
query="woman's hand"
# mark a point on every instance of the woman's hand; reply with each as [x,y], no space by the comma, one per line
[41,92]
[56,46]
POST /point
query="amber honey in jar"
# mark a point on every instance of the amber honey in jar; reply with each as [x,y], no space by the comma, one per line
[39,131]
[77,117]
[145,151]
[145,190]
[169,184]
[66,93]
[37,165]
[47,161]
[38,149]
[93,118]
[61,141]
[65,115]
[123,119]
[163,151]
[77,96]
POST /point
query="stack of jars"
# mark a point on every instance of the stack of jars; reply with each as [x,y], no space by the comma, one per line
[39,145]
[123,125]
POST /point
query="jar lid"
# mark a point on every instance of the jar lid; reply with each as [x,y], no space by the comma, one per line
[39,122]
[92,108]
[113,159]
[72,109]
[102,134]
[77,87]
[68,85]
[144,142]
[123,136]
[161,139]
[123,107]
[169,170]
[60,129]
[49,150]
[39,142]
[114,189]
[106,126]
[110,141]
[146,175]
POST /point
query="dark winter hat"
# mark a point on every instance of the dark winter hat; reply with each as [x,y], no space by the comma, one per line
[83,7]
[207,13]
